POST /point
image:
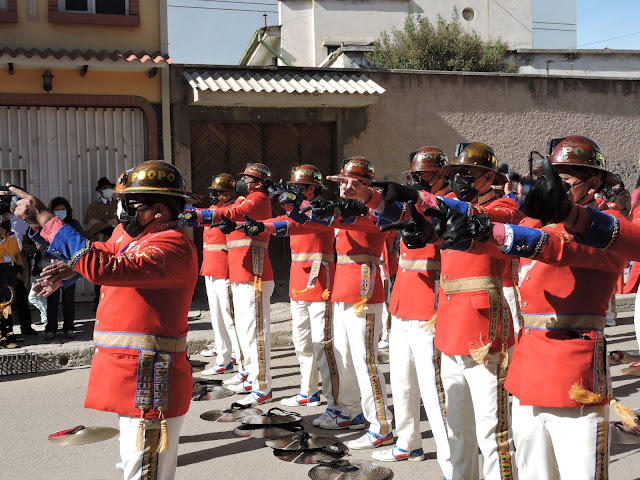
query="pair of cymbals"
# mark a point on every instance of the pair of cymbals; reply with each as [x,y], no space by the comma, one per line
[345,470]
[82,435]
[302,441]
[206,392]
[271,431]
[231,414]
[328,454]
[275,416]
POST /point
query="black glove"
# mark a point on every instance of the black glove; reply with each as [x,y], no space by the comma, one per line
[226,225]
[395,192]
[291,196]
[348,208]
[456,227]
[251,227]
[416,232]
[321,208]
[545,199]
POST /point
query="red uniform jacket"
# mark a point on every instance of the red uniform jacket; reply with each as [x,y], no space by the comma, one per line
[215,261]
[312,258]
[248,256]
[141,323]
[471,307]
[564,305]
[415,292]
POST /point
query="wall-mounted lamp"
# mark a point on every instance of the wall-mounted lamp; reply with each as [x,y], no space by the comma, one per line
[47,81]
[153,72]
[83,70]
[10,68]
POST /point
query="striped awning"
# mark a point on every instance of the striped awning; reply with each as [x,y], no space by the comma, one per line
[282,88]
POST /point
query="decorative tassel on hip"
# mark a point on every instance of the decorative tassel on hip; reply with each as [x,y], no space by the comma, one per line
[480,352]
[430,325]
[359,307]
[140,436]
[257,283]
[326,295]
[297,293]
[581,395]
[163,444]
[629,419]
[504,359]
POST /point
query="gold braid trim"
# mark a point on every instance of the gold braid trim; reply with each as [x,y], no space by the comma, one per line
[79,253]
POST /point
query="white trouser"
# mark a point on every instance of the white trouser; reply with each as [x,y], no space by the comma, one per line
[312,336]
[40,303]
[510,295]
[224,329]
[636,318]
[612,313]
[152,466]
[362,385]
[477,416]
[413,361]
[253,328]
[561,443]
[385,318]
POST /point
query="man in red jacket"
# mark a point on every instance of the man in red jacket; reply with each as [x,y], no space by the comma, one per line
[215,269]
[251,279]
[140,369]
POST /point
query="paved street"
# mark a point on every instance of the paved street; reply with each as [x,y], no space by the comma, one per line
[35,405]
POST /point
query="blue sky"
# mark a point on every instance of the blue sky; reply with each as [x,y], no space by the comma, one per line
[210,35]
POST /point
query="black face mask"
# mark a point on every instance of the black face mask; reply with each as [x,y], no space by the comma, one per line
[213,196]
[242,188]
[418,183]
[6,224]
[463,187]
[129,220]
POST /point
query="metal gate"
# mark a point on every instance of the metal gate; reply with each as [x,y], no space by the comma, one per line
[63,151]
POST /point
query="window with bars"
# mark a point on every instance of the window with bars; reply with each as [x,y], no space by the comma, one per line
[112,7]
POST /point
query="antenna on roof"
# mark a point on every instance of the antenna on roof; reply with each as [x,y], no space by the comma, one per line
[264,15]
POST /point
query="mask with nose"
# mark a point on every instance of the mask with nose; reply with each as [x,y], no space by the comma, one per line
[213,196]
[129,220]
[242,188]
[107,193]
[463,187]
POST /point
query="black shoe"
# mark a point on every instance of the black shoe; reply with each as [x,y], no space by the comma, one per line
[28,331]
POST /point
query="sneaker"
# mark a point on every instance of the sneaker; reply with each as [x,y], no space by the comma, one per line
[216,369]
[326,416]
[370,440]
[396,454]
[610,322]
[29,331]
[244,387]
[233,361]
[383,345]
[335,420]
[210,351]
[69,334]
[49,335]
[237,379]
[302,400]
[256,398]
[357,422]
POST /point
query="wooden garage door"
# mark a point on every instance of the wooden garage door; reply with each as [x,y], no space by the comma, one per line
[228,147]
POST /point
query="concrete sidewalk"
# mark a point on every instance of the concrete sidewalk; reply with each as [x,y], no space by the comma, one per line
[62,352]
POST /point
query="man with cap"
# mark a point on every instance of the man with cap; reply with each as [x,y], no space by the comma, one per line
[251,278]
[357,301]
[215,269]
[140,369]
[310,286]
[100,219]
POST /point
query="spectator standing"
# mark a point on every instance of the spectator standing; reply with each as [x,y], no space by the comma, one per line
[100,219]
[39,262]
[62,209]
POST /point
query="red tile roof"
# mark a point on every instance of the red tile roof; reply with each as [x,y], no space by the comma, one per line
[102,55]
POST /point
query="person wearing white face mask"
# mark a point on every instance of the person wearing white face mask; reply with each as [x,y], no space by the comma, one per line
[100,219]
[62,209]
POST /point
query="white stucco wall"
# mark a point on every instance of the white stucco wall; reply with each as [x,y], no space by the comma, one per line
[307,24]
[581,63]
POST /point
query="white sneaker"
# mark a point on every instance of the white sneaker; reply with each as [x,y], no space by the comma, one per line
[326,416]
[610,322]
[244,387]
[237,379]
[370,440]
[396,454]
[302,400]
[210,351]
[383,345]
[256,399]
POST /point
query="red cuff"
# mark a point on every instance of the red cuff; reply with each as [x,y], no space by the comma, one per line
[426,200]
[51,228]
[498,234]
[269,228]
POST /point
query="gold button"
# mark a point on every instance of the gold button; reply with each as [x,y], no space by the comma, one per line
[404,254]
[403,270]
[97,322]
[527,277]
[524,304]
[449,297]
[96,350]
[449,252]
[526,330]
[445,276]
[102,295]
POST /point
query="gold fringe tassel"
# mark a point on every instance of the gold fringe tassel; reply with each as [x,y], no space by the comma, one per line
[326,295]
[629,419]
[359,307]
[579,394]
[257,283]
[140,436]
[504,360]
[430,325]
[297,293]
[480,352]
[163,444]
